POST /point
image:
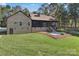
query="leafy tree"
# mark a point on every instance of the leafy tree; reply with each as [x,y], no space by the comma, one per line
[34,12]
[74,13]
[59,11]
[8,6]
[52,8]
[17,8]
[44,9]
[26,11]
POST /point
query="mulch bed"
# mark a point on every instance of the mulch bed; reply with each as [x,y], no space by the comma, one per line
[55,36]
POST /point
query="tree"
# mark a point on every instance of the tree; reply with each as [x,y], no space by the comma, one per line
[59,11]
[63,12]
[26,11]
[52,8]
[8,6]
[34,12]
[44,9]
[73,11]
[40,10]
[5,10]
[17,8]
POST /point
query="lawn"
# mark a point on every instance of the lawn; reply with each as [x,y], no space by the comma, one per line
[37,44]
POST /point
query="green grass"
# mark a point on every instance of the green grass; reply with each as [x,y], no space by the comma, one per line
[38,44]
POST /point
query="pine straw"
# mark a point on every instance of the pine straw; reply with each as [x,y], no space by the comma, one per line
[55,36]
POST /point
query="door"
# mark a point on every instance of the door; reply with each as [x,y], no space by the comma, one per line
[11,31]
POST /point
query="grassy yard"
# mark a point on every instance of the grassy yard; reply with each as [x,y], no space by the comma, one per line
[38,44]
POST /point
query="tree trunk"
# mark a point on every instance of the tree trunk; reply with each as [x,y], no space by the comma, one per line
[75,24]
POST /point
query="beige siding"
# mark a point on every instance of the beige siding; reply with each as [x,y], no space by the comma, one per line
[39,29]
[14,22]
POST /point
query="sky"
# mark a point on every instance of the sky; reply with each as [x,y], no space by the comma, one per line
[30,6]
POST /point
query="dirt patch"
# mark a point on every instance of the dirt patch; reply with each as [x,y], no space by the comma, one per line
[55,36]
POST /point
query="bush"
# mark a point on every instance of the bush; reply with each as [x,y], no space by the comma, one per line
[62,33]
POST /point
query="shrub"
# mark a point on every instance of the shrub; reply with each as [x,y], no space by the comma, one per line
[62,33]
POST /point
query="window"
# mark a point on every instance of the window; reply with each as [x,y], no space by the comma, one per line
[28,23]
[20,23]
[39,24]
[44,24]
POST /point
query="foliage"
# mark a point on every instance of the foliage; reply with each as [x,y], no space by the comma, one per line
[34,12]
[8,6]
[74,12]
[26,11]
[65,13]
[44,9]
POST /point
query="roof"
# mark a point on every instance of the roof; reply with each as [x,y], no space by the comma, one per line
[16,13]
[42,17]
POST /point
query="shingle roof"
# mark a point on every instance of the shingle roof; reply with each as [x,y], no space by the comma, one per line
[16,13]
[42,17]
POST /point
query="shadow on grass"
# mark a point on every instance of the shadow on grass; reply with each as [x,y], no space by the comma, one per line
[73,33]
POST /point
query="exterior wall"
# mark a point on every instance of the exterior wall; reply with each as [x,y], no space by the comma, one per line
[14,22]
[40,29]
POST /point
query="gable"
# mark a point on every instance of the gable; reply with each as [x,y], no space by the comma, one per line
[18,15]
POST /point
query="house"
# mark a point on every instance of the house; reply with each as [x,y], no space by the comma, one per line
[21,23]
